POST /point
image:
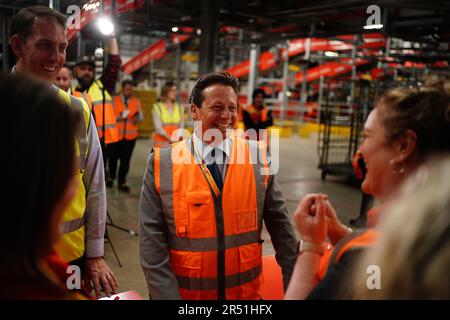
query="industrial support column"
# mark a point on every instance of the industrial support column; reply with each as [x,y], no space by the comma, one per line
[353,83]
[305,65]
[253,71]
[284,97]
[177,72]
[208,38]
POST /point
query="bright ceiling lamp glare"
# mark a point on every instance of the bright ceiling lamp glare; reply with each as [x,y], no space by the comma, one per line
[373,26]
[105,26]
[331,54]
[174,29]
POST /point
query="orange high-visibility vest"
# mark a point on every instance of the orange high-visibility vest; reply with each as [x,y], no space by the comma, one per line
[96,93]
[127,127]
[332,255]
[259,116]
[214,242]
[170,121]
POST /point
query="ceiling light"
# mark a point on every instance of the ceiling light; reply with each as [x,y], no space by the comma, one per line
[105,25]
[174,29]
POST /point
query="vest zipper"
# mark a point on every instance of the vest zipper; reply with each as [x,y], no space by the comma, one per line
[220,229]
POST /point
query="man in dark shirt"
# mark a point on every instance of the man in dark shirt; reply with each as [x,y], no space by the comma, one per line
[257,116]
[100,90]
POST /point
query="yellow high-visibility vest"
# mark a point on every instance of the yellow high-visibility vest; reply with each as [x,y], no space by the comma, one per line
[72,245]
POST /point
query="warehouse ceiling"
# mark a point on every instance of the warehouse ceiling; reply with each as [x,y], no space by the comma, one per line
[270,21]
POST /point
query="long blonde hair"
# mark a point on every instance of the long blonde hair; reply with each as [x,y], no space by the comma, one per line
[413,251]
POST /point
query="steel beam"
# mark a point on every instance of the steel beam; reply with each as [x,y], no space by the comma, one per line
[208,38]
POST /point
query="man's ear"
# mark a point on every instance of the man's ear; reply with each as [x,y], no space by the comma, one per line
[194,112]
[16,45]
[406,145]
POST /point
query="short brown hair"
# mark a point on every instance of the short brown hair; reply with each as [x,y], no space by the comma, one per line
[22,23]
[208,80]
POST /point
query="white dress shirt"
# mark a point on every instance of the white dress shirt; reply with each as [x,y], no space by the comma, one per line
[222,153]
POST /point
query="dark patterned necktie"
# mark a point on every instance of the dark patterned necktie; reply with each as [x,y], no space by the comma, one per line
[215,172]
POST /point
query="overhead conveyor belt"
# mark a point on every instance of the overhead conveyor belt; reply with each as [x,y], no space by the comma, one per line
[268,59]
[155,51]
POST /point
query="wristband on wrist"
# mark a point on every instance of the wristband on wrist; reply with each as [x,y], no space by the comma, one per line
[303,246]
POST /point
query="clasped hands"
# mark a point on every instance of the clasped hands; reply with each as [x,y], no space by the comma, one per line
[316,219]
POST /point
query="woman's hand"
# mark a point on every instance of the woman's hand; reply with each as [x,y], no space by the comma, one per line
[310,218]
[336,230]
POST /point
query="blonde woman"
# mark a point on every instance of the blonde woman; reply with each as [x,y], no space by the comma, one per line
[413,253]
[406,128]
[168,116]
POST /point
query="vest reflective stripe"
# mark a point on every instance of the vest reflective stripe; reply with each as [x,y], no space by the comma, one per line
[207,244]
[211,283]
[171,121]
[70,226]
[72,245]
[87,98]
[96,93]
[108,126]
[190,211]
[82,137]
[127,128]
[357,239]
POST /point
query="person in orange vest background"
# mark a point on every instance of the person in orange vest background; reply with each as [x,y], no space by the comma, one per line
[128,113]
[168,116]
[100,91]
[64,82]
[201,215]
[257,116]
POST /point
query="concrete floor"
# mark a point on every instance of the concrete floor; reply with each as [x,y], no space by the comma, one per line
[297,176]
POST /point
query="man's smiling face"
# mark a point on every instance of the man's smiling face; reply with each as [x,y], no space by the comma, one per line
[43,52]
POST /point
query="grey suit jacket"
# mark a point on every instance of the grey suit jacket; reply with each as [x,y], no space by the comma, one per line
[154,248]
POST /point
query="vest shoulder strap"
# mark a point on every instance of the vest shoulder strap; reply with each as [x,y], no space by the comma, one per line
[157,106]
[82,136]
[358,239]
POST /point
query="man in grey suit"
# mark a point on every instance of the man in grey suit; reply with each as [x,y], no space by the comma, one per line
[203,204]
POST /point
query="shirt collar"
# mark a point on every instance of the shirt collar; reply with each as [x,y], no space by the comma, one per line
[14,70]
[205,149]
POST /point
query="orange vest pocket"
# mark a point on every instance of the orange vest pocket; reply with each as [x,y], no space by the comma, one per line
[186,263]
[245,220]
[201,214]
[250,256]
